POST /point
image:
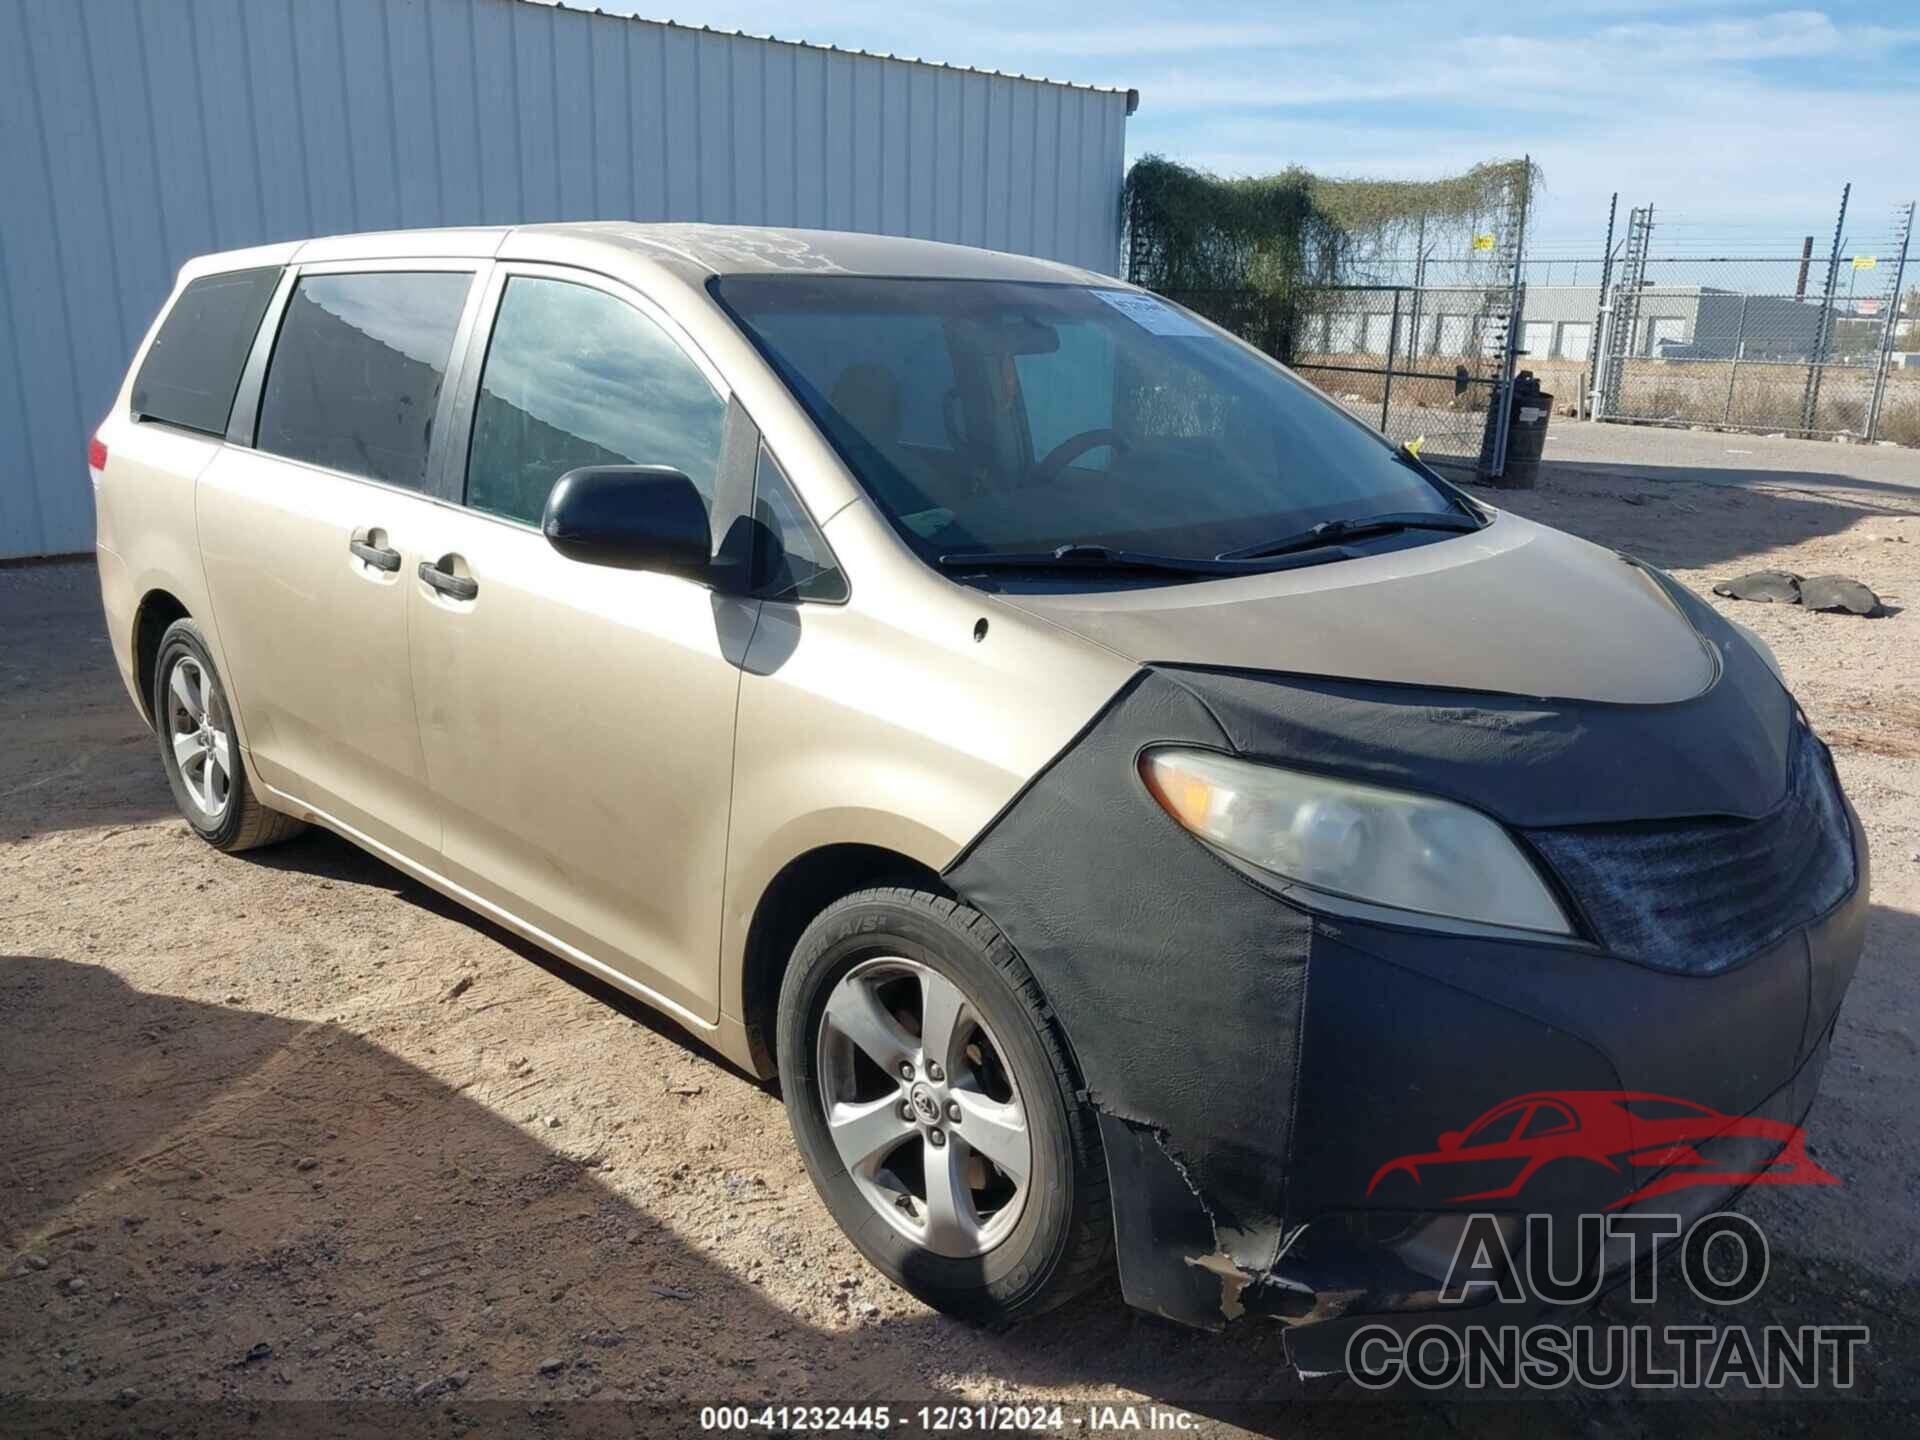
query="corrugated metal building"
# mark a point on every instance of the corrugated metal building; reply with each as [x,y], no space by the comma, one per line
[1675,322]
[136,133]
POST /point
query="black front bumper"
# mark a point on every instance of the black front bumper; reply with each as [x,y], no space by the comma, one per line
[1328,1301]
[1253,1064]
[1407,1035]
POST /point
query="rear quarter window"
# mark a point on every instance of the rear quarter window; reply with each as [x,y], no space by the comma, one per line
[192,370]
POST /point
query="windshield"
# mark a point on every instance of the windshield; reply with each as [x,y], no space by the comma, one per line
[987,416]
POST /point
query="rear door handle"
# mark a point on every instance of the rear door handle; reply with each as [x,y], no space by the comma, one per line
[454,587]
[380,557]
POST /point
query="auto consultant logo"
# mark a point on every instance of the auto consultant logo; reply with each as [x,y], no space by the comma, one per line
[1676,1144]
[1524,1265]
[1724,1259]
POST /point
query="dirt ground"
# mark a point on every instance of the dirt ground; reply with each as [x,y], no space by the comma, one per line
[259,1144]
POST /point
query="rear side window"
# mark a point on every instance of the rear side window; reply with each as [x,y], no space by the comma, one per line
[193,367]
[356,373]
[575,376]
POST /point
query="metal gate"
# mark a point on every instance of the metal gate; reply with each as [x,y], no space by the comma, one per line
[1424,363]
[1424,351]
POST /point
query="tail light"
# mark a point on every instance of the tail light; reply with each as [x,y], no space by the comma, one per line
[96,454]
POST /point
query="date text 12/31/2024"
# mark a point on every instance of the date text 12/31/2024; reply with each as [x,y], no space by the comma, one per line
[947,1419]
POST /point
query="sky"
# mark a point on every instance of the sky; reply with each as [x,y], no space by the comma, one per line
[1738,122]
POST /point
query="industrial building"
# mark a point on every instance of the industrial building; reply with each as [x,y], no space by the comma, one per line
[135,136]
[1673,323]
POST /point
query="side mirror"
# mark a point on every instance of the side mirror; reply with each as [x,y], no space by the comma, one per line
[630,517]
[1450,1140]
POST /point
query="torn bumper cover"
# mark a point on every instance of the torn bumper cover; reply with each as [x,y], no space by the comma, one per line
[1254,1064]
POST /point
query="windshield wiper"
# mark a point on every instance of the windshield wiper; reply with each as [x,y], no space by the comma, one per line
[1105,557]
[1335,532]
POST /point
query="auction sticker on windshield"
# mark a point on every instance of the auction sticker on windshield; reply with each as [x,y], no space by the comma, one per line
[1150,314]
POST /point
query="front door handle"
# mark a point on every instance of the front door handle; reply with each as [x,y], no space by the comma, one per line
[381,557]
[454,587]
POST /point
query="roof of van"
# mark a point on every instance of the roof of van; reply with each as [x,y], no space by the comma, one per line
[695,251]
[762,250]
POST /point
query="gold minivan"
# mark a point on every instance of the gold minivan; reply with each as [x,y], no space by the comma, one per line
[1125,800]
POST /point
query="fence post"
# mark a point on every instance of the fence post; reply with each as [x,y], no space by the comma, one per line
[1810,409]
[1733,370]
[1419,292]
[1602,328]
[1595,346]
[1893,326]
[1393,341]
[1603,323]
[1516,305]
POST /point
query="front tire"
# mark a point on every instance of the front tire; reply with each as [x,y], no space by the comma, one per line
[934,1104]
[200,748]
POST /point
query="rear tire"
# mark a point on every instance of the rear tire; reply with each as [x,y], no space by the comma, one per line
[200,748]
[998,1247]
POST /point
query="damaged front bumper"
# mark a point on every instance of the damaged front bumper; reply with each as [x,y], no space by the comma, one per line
[1254,1065]
[1408,1035]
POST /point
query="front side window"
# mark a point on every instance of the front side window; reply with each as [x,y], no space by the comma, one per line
[1046,415]
[356,373]
[193,367]
[575,376]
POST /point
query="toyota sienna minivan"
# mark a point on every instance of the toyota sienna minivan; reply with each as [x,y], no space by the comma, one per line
[1125,800]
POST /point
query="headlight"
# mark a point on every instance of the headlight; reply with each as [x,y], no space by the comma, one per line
[1381,847]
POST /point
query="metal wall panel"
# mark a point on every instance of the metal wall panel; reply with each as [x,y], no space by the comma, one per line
[135,134]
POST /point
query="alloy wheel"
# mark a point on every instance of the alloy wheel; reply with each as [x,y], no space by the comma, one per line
[922,1107]
[200,732]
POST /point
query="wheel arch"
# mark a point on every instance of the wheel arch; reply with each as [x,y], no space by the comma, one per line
[803,887]
[158,609]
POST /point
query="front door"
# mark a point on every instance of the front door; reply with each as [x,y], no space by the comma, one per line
[309,536]
[578,721]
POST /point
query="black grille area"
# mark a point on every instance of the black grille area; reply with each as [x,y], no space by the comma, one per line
[1700,896]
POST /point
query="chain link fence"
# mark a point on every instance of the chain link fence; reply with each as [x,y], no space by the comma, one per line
[1419,358]
[1416,363]
[1821,345]
[1421,346]
[1756,344]
[1793,345]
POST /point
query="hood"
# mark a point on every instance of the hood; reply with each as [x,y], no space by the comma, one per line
[1516,608]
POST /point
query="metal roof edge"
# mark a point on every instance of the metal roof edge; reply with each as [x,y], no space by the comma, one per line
[1132,96]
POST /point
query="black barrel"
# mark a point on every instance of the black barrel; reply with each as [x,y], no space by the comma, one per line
[1526,432]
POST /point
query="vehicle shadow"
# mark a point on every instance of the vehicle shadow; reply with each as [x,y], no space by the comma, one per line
[216,1217]
[321,854]
[209,1204]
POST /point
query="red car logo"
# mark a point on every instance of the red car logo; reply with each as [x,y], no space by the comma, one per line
[1624,1130]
